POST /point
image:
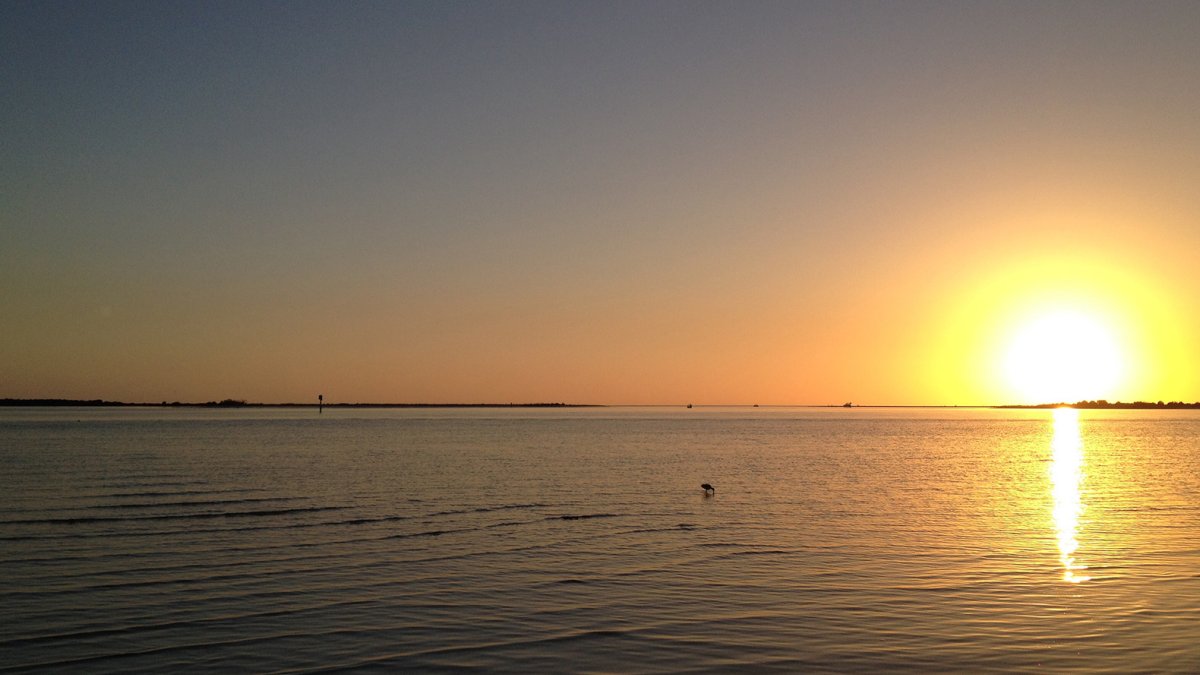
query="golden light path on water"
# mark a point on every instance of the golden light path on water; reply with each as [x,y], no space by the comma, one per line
[1066,474]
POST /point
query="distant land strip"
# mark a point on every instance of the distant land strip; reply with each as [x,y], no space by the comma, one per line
[235,403]
[1112,405]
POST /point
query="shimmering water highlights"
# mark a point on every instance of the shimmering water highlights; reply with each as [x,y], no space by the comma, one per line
[569,540]
[1066,469]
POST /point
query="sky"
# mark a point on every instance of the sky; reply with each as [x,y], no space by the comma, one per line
[610,202]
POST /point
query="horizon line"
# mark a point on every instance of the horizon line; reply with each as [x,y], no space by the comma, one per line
[241,403]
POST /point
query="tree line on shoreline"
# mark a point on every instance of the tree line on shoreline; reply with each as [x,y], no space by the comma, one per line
[241,403]
[1101,404]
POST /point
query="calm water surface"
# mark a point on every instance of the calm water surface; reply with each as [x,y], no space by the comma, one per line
[579,540]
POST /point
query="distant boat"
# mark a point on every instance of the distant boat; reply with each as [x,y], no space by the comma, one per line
[847,405]
[689,405]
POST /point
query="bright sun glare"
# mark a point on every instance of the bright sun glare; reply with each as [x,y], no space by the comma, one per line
[1063,356]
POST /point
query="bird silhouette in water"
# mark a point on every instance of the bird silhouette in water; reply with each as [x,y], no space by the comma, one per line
[708,488]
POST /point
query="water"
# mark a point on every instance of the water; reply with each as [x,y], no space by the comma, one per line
[261,540]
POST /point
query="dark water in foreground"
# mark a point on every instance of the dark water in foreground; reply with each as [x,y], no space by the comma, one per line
[579,540]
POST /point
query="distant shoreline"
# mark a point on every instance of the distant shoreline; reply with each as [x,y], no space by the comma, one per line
[1115,405]
[234,403]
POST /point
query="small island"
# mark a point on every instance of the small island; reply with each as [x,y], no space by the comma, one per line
[1101,404]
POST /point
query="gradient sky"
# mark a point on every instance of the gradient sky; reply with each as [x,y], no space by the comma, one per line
[625,202]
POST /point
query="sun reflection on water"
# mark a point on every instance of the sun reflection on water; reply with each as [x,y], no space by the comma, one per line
[1066,474]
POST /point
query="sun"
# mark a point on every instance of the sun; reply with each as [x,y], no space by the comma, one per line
[1061,328]
[1064,356]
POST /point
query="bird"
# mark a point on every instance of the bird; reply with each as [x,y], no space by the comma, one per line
[708,488]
